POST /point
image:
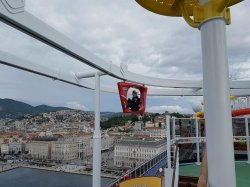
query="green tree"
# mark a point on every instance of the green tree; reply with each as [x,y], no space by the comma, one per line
[118,121]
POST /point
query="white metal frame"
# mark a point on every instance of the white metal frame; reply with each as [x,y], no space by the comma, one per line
[79,79]
[17,17]
[96,179]
[215,81]
[168,171]
[198,139]
[217,104]
[247,134]
[198,143]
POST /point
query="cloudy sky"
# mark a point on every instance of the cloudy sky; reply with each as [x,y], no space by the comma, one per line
[119,31]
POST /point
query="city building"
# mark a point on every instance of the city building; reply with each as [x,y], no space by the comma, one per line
[131,153]
[138,125]
[149,124]
[160,120]
[150,132]
[155,132]
[15,147]
[85,145]
[40,149]
[64,150]
[4,148]
[107,142]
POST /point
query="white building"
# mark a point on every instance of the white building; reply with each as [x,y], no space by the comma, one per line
[107,142]
[64,150]
[149,124]
[160,120]
[152,132]
[1,140]
[4,148]
[40,149]
[133,152]
[156,132]
[27,146]
[46,134]
[85,145]
[138,125]
[15,147]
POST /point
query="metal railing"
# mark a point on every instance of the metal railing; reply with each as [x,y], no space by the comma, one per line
[175,166]
[140,170]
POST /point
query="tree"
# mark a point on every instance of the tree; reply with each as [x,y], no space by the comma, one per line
[177,115]
[118,121]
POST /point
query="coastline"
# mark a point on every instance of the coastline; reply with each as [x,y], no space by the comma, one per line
[8,167]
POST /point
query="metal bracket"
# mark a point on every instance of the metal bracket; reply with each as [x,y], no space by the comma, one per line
[204,12]
[195,90]
[124,69]
[83,75]
[14,6]
[201,15]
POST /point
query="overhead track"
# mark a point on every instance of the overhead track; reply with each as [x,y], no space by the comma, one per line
[18,18]
[70,78]
[13,14]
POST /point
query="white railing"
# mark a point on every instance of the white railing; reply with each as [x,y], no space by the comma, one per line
[140,170]
[197,136]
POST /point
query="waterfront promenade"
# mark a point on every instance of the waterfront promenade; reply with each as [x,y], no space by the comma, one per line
[28,177]
[74,169]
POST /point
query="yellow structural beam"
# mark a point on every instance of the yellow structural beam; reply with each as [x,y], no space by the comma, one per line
[188,8]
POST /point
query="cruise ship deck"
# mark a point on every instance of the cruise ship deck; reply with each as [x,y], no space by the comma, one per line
[242,172]
[167,66]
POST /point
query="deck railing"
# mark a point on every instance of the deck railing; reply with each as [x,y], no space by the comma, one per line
[140,170]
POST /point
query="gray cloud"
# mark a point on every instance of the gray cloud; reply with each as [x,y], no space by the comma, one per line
[119,32]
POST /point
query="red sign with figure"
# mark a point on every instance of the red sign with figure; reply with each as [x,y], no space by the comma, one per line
[136,104]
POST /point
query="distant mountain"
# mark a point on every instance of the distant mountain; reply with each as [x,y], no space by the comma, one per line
[45,108]
[13,109]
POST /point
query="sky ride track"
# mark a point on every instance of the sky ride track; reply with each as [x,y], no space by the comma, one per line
[36,28]
[70,78]
[209,16]
[13,14]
